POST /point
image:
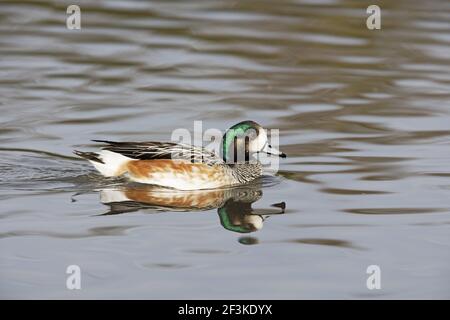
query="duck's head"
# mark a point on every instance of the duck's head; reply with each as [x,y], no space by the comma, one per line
[245,139]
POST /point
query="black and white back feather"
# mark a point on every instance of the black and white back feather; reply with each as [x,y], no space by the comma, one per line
[163,150]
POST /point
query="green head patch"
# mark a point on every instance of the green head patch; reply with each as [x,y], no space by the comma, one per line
[238,130]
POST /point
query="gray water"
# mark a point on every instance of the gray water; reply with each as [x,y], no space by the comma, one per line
[364,117]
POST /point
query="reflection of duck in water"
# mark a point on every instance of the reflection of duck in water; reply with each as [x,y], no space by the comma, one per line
[186,167]
[234,205]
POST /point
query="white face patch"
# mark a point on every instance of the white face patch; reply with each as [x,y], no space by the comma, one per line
[252,141]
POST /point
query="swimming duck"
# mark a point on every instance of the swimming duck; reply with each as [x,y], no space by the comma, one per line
[186,167]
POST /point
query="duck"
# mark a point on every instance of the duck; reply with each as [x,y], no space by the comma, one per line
[186,167]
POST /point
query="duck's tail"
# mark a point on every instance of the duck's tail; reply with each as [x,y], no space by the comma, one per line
[91,156]
[108,163]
